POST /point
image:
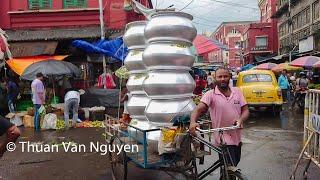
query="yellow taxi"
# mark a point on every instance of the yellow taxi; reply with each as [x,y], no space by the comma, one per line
[260,89]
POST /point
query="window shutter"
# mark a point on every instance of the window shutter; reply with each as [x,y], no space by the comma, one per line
[40,4]
[74,4]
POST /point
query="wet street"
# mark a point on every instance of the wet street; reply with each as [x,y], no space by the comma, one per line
[271,147]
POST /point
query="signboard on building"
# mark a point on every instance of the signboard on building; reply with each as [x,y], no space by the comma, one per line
[259,48]
[20,49]
[306,45]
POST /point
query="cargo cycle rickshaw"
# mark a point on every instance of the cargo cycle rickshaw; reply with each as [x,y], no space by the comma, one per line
[187,156]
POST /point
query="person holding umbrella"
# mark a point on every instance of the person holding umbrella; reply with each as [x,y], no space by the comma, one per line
[38,98]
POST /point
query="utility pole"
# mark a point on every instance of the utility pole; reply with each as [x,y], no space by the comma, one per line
[102,38]
[290,32]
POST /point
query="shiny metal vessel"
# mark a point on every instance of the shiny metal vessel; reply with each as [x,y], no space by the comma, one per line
[134,35]
[168,84]
[168,55]
[136,106]
[163,111]
[170,26]
[133,61]
[135,83]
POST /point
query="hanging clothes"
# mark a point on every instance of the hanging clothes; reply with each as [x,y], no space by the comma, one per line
[106,79]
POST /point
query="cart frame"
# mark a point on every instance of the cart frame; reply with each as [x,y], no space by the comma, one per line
[184,162]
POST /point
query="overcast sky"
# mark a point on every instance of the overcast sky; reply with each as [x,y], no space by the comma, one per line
[208,14]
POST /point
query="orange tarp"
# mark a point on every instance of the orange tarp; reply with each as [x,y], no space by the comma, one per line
[18,65]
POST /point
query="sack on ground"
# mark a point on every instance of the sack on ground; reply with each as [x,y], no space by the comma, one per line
[16,120]
[49,121]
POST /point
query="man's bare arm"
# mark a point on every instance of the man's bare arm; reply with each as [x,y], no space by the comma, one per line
[244,115]
[200,109]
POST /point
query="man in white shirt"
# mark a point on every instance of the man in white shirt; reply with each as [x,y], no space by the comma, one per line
[71,101]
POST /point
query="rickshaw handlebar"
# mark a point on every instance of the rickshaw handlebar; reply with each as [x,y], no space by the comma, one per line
[217,129]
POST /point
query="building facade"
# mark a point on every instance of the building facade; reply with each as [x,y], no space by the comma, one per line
[260,38]
[258,42]
[299,29]
[231,35]
[219,55]
[44,26]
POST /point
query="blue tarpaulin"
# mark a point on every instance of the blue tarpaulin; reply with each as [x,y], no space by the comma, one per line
[112,48]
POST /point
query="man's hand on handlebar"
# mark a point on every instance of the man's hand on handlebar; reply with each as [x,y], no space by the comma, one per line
[239,123]
[192,128]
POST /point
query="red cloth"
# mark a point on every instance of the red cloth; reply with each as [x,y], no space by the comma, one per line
[106,80]
[200,86]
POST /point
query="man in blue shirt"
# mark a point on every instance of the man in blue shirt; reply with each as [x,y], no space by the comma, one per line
[283,83]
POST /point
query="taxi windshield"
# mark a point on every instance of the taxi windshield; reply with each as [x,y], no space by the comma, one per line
[257,78]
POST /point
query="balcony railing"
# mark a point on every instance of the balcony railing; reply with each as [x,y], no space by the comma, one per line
[283,6]
[316,27]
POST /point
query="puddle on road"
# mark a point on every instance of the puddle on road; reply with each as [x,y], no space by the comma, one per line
[288,119]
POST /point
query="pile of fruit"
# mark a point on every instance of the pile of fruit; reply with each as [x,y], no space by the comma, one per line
[60,124]
[94,124]
[84,124]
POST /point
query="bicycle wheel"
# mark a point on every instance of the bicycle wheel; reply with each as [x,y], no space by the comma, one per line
[235,175]
[118,161]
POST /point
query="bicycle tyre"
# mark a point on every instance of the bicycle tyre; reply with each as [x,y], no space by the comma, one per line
[118,161]
[236,175]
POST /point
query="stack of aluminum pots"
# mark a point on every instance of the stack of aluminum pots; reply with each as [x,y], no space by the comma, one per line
[134,39]
[138,99]
[168,58]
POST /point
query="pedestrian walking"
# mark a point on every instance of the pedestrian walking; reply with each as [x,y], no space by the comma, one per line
[227,107]
[283,83]
[12,94]
[38,98]
[71,102]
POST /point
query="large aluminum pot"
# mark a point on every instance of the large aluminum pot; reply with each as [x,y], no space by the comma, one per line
[168,55]
[163,84]
[134,35]
[165,26]
[135,82]
[136,106]
[133,61]
[162,111]
[152,137]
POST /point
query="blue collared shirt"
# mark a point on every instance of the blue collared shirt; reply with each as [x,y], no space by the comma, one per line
[283,82]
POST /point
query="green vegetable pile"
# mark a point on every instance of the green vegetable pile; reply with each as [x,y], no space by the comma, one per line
[314,86]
